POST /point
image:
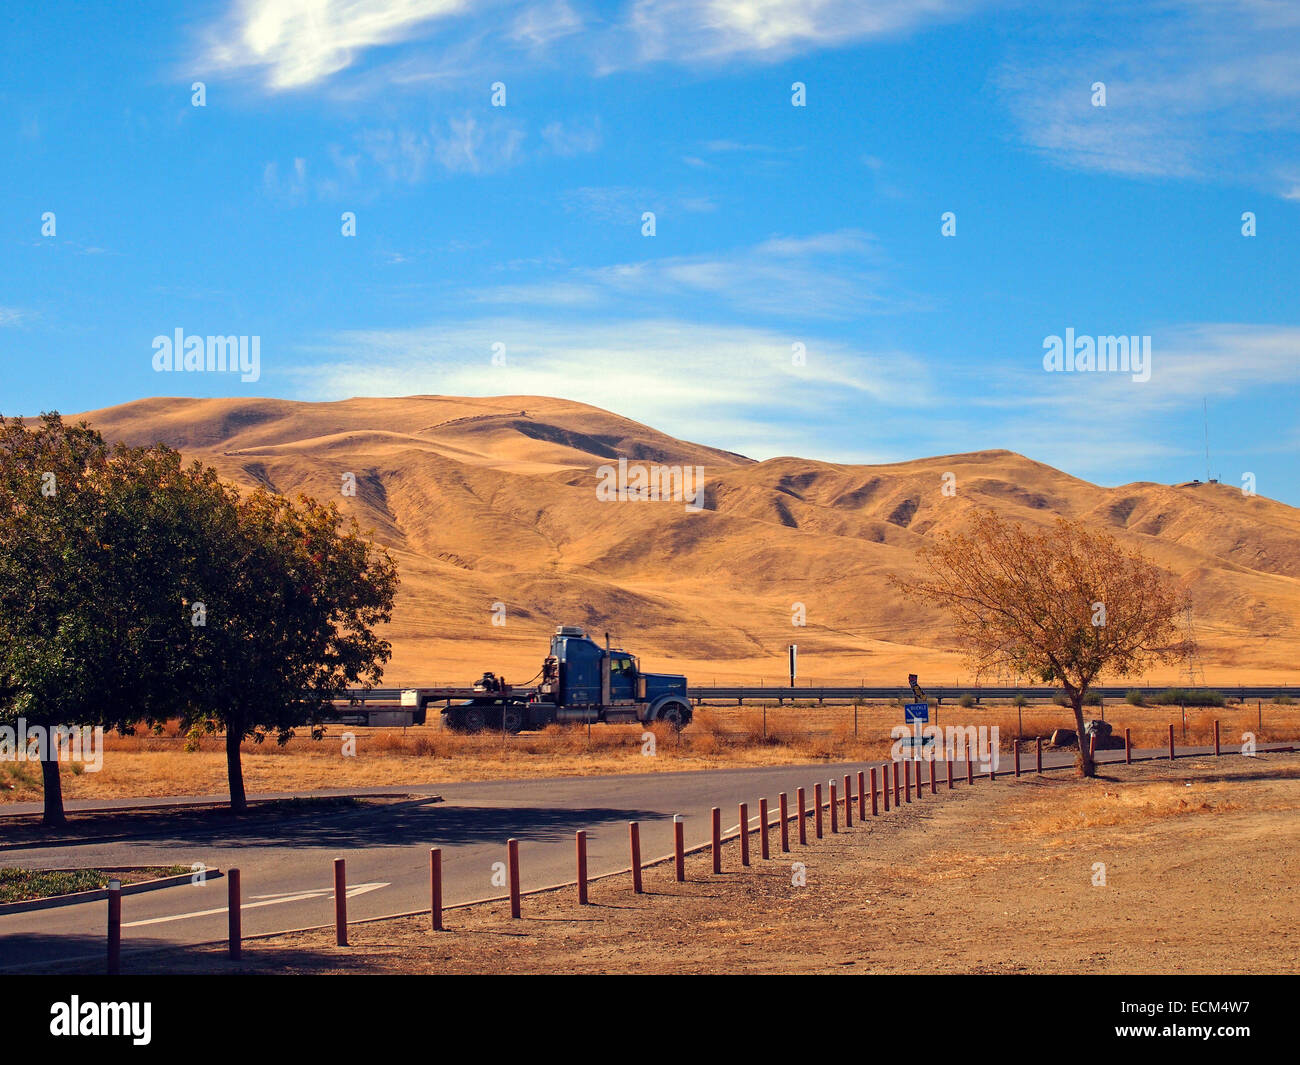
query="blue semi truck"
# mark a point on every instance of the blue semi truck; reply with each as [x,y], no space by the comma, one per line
[581,682]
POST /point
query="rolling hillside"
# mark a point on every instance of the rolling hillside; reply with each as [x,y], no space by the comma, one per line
[494,500]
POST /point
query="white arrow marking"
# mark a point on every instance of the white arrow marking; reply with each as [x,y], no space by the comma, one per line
[353,892]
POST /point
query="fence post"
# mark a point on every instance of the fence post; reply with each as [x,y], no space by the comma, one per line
[817,813]
[679,848]
[435,888]
[744,833]
[114,927]
[1015,745]
[341,901]
[1171,743]
[763,850]
[1216,737]
[634,838]
[716,815]
[875,807]
[1128,746]
[512,862]
[949,761]
[970,766]
[235,916]
[907,780]
[785,824]
[1092,747]
[1040,756]
[884,788]
[934,787]
[834,807]
[862,795]
[848,801]
[803,816]
[582,867]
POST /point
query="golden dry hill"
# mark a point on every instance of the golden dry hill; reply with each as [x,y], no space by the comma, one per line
[493,500]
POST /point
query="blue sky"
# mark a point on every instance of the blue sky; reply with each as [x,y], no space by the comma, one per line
[775,225]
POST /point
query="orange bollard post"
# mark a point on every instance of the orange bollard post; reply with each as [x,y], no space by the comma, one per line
[679,848]
[949,761]
[114,927]
[835,817]
[717,839]
[341,901]
[898,773]
[634,838]
[1128,746]
[763,851]
[848,801]
[907,780]
[862,795]
[970,767]
[582,868]
[875,806]
[1040,755]
[817,812]
[785,824]
[934,786]
[1216,738]
[435,888]
[1016,747]
[235,922]
[803,816]
[1171,743]
[884,790]
[744,833]
[512,864]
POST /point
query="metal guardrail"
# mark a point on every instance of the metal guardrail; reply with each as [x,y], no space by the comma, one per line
[942,694]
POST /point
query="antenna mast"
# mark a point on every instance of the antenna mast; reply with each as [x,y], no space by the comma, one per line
[1205,410]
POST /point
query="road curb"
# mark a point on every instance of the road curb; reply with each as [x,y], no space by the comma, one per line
[77,897]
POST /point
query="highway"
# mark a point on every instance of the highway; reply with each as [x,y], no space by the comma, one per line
[286,865]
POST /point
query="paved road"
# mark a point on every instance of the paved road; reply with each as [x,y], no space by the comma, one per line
[286,866]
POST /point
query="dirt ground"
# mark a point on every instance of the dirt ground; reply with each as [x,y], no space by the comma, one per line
[1201,875]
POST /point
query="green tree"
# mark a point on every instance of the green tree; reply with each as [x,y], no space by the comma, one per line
[290,598]
[90,564]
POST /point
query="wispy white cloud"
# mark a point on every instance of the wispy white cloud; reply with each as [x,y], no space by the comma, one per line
[828,275]
[709,30]
[686,378]
[1188,94]
[14,316]
[294,43]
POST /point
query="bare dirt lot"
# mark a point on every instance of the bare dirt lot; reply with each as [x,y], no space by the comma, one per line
[1201,875]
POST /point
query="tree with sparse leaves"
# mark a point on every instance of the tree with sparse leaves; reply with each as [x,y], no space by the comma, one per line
[1065,604]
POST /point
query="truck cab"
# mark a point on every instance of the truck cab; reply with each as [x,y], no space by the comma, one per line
[591,683]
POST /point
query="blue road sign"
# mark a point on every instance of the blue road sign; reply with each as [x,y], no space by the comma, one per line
[913,712]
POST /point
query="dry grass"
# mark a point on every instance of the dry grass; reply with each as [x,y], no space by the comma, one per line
[146,764]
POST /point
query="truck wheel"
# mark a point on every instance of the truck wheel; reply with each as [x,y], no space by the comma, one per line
[676,715]
[512,718]
[474,719]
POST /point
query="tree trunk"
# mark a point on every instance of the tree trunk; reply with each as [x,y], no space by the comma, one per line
[235,768]
[53,788]
[1084,764]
